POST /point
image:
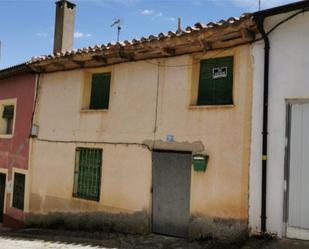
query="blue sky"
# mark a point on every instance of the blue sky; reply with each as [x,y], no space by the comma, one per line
[26,26]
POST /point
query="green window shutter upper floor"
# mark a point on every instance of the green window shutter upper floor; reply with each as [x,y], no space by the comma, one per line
[100,87]
[216,90]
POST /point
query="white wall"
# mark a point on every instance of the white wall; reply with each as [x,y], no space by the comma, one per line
[289,78]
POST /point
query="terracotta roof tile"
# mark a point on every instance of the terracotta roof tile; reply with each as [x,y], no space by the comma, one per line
[196,28]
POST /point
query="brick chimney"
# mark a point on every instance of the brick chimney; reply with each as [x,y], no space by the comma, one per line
[64,26]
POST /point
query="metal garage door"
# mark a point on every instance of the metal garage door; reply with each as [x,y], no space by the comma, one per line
[171,192]
[298,173]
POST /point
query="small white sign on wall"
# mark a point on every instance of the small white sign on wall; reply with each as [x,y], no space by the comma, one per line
[9,187]
[219,72]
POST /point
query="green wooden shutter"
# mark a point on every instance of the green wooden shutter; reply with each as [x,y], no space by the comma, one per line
[100,87]
[215,91]
[87,180]
[19,191]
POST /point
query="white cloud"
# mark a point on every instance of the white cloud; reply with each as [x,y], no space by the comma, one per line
[147,12]
[41,34]
[159,14]
[172,19]
[78,34]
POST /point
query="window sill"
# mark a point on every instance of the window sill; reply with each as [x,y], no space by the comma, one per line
[195,107]
[8,136]
[93,110]
[85,199]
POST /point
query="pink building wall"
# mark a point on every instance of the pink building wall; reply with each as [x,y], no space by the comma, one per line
[14,152]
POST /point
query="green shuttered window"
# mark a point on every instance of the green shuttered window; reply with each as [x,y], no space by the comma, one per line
[19,191]
[87,175]
[216,82]
[100,87]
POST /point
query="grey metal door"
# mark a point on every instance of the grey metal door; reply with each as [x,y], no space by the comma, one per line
[298,187]
[171,193]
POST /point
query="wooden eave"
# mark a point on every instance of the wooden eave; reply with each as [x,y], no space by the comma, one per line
[173,44]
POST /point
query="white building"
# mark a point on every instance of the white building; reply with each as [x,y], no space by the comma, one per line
[287,158]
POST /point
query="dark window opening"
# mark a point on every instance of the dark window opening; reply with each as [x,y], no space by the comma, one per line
[19,191]
[216,82]
[100,87]
[87,174]
[8,115]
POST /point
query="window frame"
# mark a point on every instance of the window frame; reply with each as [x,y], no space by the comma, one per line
[75,192]
[92,101]
[86,89]
[3,103]
[204,62]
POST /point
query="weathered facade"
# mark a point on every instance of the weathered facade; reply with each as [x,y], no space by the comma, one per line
[17,90]
[287,171]
[155,113]
[157,134]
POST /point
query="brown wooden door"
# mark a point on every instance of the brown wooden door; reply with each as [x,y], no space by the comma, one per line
[2,194]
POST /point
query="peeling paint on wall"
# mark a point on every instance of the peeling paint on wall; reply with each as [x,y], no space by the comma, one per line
[206,227]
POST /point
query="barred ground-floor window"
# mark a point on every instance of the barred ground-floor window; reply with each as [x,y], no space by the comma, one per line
[87,174]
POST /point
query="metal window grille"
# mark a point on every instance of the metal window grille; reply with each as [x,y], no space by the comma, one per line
[87,175]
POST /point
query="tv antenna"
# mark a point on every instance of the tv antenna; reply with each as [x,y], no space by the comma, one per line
[117,23]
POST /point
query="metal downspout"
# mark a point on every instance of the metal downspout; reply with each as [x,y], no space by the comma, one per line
[260,24]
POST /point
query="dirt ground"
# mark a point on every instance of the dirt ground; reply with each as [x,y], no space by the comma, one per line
[51,239]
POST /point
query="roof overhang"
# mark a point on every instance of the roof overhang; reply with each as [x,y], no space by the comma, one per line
[15,70]
[224,34]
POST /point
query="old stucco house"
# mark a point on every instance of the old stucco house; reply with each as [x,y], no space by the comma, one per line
[194,133]
[146,135]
